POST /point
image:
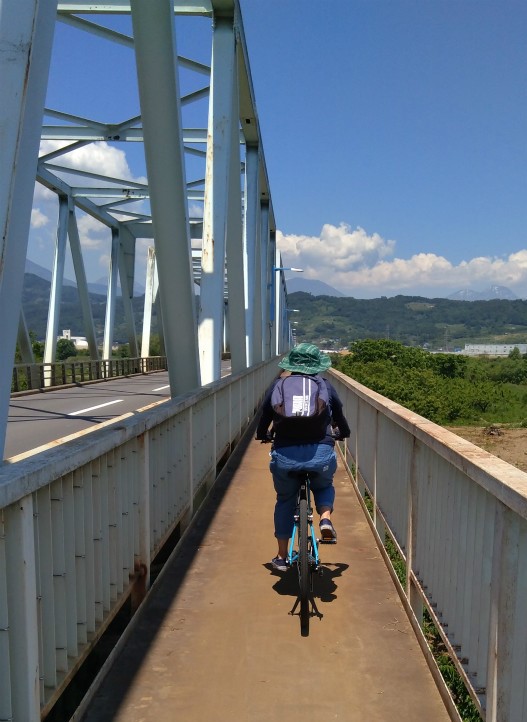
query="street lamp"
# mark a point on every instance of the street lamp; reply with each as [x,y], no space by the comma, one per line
[276,329]
[275,269]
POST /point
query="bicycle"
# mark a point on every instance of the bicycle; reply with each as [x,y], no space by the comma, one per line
[306,557]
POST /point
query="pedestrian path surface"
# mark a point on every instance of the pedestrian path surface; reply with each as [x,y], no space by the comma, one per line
[215,639]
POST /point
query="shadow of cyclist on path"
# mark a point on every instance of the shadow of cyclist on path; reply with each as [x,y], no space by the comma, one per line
[324,587]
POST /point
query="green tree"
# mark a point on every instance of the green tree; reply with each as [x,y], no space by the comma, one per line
[65,349]
[155,345]
[448,365]
[444,388]
[123,351]
[38,350]
[369,350]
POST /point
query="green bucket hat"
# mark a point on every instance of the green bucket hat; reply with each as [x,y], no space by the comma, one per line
[305,358]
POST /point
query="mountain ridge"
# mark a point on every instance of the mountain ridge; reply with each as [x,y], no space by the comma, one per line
[320,288]
[413,320]
[489,294]
[294,285]
[312,286]
[99,287]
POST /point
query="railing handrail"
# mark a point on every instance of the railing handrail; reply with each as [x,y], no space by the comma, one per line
[80,524]
[498,477]
[455,512]
[41,376]
[458,517]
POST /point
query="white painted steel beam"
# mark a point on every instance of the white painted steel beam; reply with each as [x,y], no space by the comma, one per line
[57,278]
[5,657]
[271,295]
[26,35]
[111,298]
[277,302]
[251,254]
[21,610]
[266,265]
[155,48]
[149,302]
[122,39]
[92,133]
[182,7]
[126,276]
[219,148]
[234,333]
[81,130]
[82,285]
[24,341]
[57,185]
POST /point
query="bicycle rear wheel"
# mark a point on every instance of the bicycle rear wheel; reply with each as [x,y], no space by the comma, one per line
[303,565]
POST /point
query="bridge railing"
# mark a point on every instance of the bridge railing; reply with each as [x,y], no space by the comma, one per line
[80,524]
[458,516]
[30,377]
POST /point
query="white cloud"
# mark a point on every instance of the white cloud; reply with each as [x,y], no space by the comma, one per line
[195,210]
[359,264]
[98,158]
[93,235]
[38,219]
[340,249]
[43,194]
[104,261]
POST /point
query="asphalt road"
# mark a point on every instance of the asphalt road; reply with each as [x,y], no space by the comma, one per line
[38,419]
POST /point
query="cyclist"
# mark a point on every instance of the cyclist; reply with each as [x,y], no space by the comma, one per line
[315,452]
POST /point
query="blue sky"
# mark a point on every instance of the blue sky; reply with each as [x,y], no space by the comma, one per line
[407,119]
[394,134]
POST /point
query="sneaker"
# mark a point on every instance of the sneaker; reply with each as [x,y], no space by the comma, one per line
[327,530]
[279,563]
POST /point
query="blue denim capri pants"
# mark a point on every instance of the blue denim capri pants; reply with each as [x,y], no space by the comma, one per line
[311,457]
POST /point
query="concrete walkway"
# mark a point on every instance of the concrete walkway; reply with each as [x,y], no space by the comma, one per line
[215,640]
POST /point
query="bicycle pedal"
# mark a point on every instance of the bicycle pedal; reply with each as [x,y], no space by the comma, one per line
[327,541]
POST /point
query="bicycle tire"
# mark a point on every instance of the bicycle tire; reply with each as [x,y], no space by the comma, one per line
[303,565]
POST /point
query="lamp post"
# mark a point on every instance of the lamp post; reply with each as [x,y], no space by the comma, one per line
[273,284]
[275,302]
[293,331]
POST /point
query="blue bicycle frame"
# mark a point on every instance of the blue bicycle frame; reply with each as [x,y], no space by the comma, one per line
[292,555]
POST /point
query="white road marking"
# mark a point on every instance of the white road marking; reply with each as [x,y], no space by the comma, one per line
[162,388]
[92,408]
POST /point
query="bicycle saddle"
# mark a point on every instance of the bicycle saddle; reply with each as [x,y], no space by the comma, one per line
[300,474]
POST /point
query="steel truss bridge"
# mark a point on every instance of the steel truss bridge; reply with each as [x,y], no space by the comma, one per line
[80,523]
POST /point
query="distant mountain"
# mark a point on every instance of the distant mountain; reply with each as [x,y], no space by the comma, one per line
[412,320]
[315,288]
[44,273]
[490,294]
[98,286]
[101,284]
[35,302]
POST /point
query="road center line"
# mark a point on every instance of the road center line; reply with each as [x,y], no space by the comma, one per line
[162,388]
[92,408]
